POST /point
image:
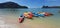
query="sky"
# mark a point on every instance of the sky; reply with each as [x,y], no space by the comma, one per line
[35,3]
[52,2]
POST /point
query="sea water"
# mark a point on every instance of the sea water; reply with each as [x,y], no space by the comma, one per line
[10,17]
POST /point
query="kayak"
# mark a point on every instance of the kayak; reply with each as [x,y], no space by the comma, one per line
[41,15]
[30,17]
[35,15]
[21,19]
[30,13]
[48,14]
[25,15]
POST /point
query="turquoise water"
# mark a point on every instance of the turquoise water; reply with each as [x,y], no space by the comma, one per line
[37,22]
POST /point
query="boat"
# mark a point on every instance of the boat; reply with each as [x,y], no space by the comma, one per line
[21,19]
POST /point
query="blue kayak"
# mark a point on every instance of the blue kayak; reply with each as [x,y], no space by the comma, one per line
[41,15]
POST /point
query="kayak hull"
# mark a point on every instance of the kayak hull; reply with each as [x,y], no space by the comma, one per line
[21,20]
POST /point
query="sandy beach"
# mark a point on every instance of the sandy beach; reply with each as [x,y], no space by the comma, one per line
[8,19]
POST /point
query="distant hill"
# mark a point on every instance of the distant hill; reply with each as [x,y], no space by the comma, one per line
[50,6]
[11,5]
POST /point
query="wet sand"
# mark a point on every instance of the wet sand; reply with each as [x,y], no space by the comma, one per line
[11,21]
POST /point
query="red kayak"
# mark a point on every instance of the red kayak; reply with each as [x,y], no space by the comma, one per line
[48,14]
[21,19]
[30,16]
